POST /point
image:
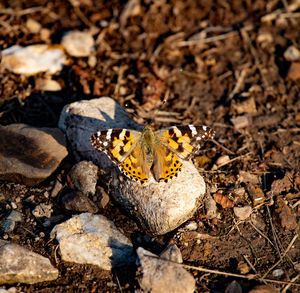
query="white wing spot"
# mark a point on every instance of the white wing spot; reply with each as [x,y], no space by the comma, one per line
[198,138]
[193,129]
[105,143]
[204,128]
[108,134]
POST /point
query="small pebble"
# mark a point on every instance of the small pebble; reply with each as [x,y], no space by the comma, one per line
[291,54]
[278,273]
[222,160]
[33,26]
[242,213]
[78,44]
[192,226]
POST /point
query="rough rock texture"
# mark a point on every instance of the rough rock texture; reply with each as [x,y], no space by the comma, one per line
[159,276]
[84,177]
[29,155]
[20,265]
[93,239]
[159,207]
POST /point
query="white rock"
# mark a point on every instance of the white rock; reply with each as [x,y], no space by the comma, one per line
[291,54]
[33,59]
[278,273]
[47,85]
[93,239]
[78,44]
[222,160]
[159,276]
[159,207]
[20,265]
[242,213]
[33,26]
[192,226]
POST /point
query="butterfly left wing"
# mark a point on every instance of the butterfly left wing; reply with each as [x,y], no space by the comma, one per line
[184,141]
[123,148]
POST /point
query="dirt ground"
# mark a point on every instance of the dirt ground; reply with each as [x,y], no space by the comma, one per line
[219,63]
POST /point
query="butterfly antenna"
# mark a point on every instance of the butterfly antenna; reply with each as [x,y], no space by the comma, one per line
[164,101]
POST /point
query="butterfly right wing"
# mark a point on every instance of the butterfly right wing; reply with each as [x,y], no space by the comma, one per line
[123,148]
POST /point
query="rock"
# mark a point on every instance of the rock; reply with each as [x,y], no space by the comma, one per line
[242,213]
[159,276]
[234,287]
[159,207]
[278,273]
[78,202]
[240,122]
[285,215]
[15,216]
[247,106]
[103,197]
[43,210]
[20,265]
[294,71]
[172,252]
[92,239]
[33,26]
[57,188]
[222,160]
[84,177]
[78,44]
[291,54]
[211,208]
[192,226]
[9,223]
[33,59]
[29,155]
[47,85]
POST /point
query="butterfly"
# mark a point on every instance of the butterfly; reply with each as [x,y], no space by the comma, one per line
[139,153]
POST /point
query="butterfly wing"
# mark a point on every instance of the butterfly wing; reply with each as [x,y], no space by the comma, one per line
[166,164]
[184,141]
[123,147]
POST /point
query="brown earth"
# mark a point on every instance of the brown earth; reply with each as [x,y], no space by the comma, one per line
[219,63]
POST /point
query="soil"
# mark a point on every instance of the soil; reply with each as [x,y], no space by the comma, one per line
[213,62]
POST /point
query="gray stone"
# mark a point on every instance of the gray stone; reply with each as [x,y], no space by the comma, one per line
[159,207]
[172,252]
[43,210]
[84,176]
[79,202]
[159,276]
[20,265]
[29,155]
[93,239]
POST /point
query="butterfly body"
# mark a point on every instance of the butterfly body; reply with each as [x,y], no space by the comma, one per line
[158,152]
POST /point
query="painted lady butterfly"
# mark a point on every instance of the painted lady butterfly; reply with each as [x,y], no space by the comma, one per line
[136,153]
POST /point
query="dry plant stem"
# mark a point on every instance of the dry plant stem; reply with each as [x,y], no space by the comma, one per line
[260,233]
[234,159]
[281,257]
[273,232]
[249,277]
[212,39]
[239,84]
[224,148]
[250,264]
[289,285]
[30,10]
